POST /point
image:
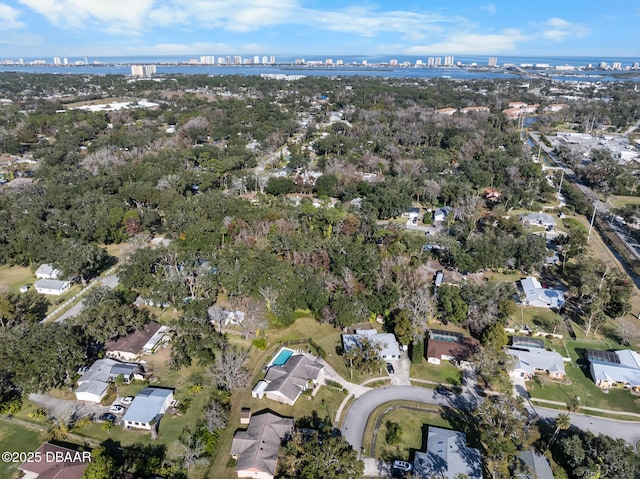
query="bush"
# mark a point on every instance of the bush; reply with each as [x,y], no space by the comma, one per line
[393,433]
[417,352]
[259,343]
[321,352]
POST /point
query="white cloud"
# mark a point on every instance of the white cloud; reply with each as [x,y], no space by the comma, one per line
[111,16]
[489,8]
[558,29]
[9,16]
[472,43]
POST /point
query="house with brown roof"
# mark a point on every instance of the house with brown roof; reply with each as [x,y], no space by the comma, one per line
[55,462]
[134,345]
[440,350]
[256,449]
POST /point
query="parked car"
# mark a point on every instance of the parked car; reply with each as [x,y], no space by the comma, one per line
[126,400]
[402,466]
[116,409]
[107,417]
[390,369]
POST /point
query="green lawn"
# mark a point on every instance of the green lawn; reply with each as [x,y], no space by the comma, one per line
[411,417]
[444,373]
[12,277]
[16,438]
[582,385]
[620,201]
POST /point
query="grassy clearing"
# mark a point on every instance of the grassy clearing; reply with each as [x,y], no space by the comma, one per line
[16,438]
[620,201]
[445,373]
[99,101]
[411,417]
[12,277]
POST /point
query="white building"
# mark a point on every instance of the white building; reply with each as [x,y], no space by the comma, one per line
[93,384]
[53,287]
[147,408]
[538,297]
[47,271]
[389,347]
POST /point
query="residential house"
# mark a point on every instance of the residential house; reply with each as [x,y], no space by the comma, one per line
[533,466]
[537,296]
[476,109]
[94,382]
[439,278]
[439,350]
[47,271]
[413,214]
[147,408]
[531,360]
[256,449]
[539,219]
[134,345]
[56,462]
[441,214]
[447,456]
[389,347]
[614,368]
[287,382]
[53,287]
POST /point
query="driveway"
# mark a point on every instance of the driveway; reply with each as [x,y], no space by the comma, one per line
[64,409]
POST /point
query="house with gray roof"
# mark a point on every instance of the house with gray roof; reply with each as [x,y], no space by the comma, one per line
[529,361]
[532,466]
[147,408]
[441,214]
[256,449]
[47,271]
[286,383]
[621,370]
[94,382]
[389,347]
[539,297]
[539,219]
[447,456]
[54,287]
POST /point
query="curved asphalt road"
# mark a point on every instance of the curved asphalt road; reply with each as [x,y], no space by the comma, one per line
[356,416]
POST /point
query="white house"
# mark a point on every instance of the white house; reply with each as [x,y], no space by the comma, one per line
[540,219]
[614,369]
[147,408]
[47,271]
[390,349]
[93,384]
[538,297]
[53,287]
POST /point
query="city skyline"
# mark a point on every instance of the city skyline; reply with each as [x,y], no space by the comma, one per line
[66,28]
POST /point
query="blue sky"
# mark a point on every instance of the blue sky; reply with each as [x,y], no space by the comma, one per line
[418,28]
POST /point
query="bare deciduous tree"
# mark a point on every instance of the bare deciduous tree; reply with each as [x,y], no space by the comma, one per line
[192,449]
[216,416]
[420,306]
[228,369]
[627,330]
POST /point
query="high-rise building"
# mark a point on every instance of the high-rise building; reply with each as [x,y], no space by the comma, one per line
[86,60]
[448,61]
[430,62]
[237,60]
[393,62]
[329,61]
[493,62]
[603,65]
[21,61]
[265,60]
[636,65]
[418,63]
[65,61]
[143,71]
[617,65]
[221,61]
[256,59]
[438,61]
[272,60]
[56,60]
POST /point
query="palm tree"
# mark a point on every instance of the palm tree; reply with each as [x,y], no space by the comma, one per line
[563,422]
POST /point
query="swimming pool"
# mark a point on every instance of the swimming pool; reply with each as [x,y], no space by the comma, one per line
[282,357]
[440,337]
